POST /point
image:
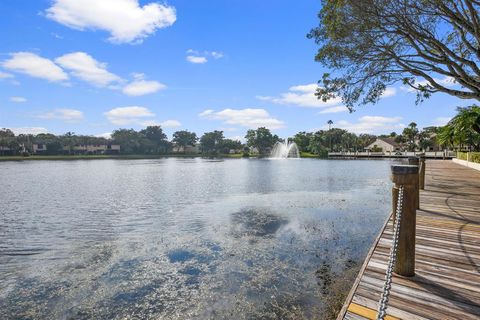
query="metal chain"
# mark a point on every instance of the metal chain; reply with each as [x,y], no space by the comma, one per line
[383,304]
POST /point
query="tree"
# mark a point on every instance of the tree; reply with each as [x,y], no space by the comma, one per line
[318,143]
[463,129]
[411,133]
[302,140]
[371,44]
[330,122]
[157,140]
[184,138]
[262,139]
[210,142]
[229,144]
[129,140]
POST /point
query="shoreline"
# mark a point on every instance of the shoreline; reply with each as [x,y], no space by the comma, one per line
[132,157]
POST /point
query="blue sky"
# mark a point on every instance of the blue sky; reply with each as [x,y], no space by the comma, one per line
[93,66]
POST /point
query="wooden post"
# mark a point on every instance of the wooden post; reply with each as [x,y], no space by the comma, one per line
[414,161]
[421,173]
[406,176]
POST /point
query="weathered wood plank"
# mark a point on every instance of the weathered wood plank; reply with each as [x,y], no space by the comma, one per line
[446,284]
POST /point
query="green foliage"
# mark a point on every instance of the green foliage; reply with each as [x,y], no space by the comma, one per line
[463,130]
[211,142]
[370,45]
[474,156]
[184,138]
[262,139]
[302,139]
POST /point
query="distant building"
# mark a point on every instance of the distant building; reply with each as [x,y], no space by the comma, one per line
[93,149]
[187,149]
[383,145]
[39,148]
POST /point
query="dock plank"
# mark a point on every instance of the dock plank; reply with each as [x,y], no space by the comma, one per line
[446,284]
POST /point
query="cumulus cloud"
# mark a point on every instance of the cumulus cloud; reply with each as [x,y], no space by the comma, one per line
[441,121]
[336,109]
[128,115]
[302,96]
[29,130]
[4,75]
[170,124]
[86,68]
[35,66]
[200,57]
[69,115]
[249,117]
[140,86]
[106,135]
[196,59]
[445,81]
[126,20]
[18,99]
[371,124]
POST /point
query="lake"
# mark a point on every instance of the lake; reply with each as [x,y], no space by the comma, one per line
[184,238]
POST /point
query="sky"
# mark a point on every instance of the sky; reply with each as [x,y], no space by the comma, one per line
[90,67]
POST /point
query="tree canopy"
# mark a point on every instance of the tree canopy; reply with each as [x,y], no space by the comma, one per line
[371,44]
[262,139]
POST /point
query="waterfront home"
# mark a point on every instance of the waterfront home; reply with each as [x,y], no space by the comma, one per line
[383,145]
[186,149]
[39,148]
[93,149]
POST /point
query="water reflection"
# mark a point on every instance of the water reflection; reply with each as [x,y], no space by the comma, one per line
[183,238]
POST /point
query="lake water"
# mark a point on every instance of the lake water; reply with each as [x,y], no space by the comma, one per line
[183,238]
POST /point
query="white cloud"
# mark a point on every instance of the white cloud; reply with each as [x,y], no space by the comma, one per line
[445,81]
[371,124]
[18,99]
[389,92]
[106,135]
[249,117]
[35,66]
[4,75]
[441,121]
[69,115]
[140,86]
[129,115]
[336,109]
[216,54]
[126,20]
[302,96]
[196,59]
[29,130]
[85,67]
[170,124]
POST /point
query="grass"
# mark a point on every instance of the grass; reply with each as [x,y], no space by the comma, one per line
[309,155]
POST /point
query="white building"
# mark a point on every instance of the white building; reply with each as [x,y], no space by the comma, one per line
[383,145]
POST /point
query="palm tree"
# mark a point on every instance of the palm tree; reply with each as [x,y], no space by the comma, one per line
[330,122]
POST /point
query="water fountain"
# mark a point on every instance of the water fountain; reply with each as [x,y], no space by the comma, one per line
[282,150]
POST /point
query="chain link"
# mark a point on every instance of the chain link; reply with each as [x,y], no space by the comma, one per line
[383,304]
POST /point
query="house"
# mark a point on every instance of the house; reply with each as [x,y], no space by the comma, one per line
[39,148]
[383,145]
[187,149]
[93,149]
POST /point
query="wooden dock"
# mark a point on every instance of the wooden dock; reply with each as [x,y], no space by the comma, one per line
[446,284]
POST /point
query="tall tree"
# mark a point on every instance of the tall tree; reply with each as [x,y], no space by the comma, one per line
[184,138]
[211,142]
[411,134]
[262,139]
[372,44]
[157,142]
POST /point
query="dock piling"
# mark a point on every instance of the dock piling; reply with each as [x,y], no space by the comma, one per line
[408,177]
